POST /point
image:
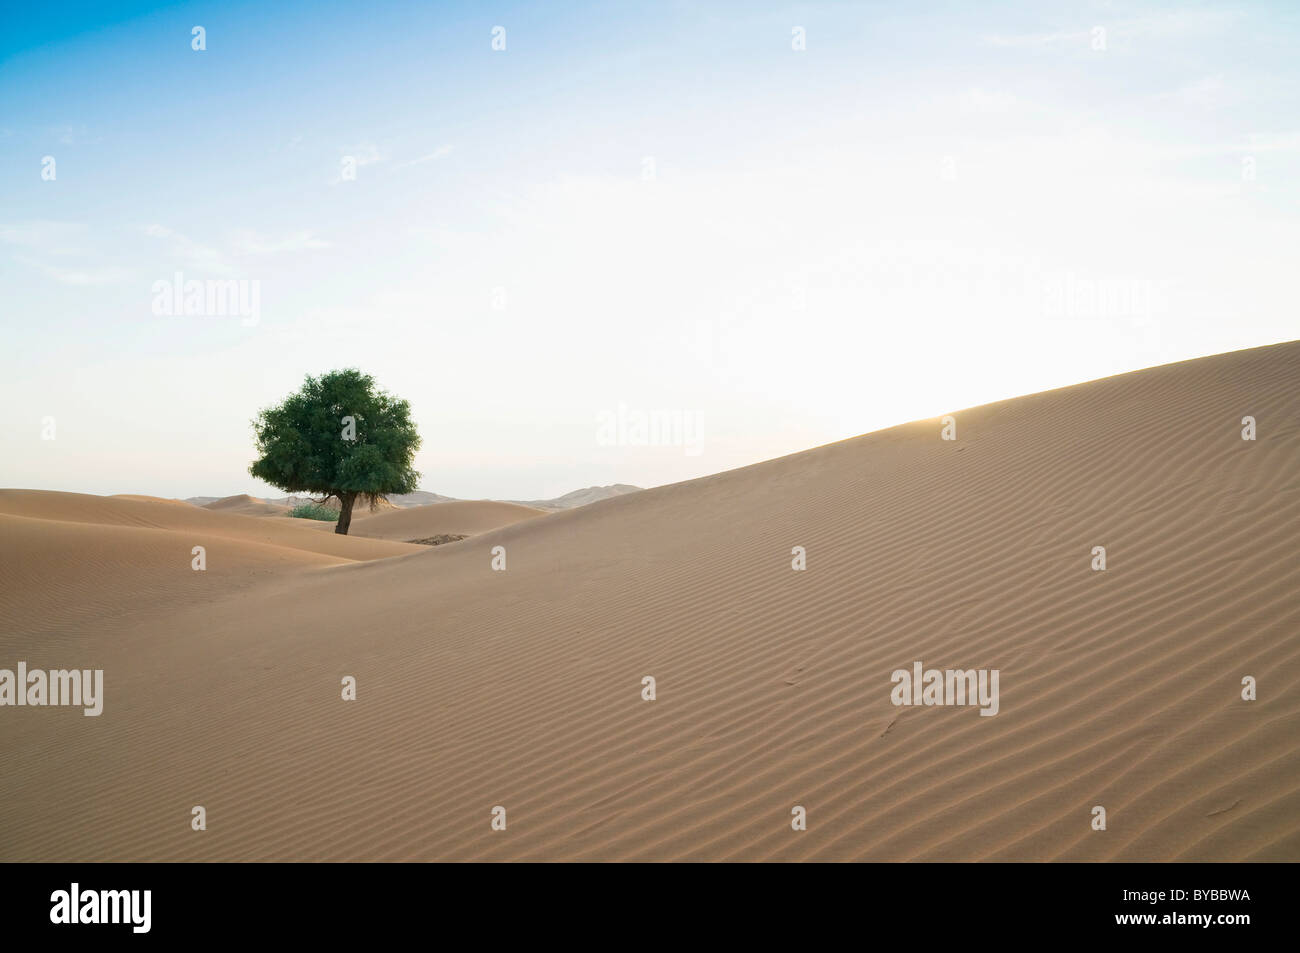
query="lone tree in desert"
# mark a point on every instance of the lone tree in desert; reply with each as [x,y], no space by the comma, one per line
[340,438]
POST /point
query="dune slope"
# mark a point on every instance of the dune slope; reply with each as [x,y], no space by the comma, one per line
[461,518]
[522,688]
[182,517]
[69,560]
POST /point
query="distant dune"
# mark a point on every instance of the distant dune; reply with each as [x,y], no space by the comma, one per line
[569,500]
[523,688]
[359,509]
[418,498]
[582,497]
[251,505]
[461,518]
[247,505]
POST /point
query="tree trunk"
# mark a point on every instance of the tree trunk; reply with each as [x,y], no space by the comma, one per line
[345,512]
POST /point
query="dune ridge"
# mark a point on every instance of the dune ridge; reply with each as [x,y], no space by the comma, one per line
[522,688]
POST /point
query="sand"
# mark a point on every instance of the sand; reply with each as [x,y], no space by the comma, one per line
[461,518]
[522,688]
[246,505]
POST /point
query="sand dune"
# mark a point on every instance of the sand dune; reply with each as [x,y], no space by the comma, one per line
[56,573]
[521,688]
[194,521]
[246,505]
[461,518]
[582,497]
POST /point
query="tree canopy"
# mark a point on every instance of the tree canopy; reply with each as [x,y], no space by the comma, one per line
[338,437]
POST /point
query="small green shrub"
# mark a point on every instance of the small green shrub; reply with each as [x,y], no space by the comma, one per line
[314,511]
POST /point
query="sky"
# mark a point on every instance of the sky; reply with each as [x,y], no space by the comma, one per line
[634,242]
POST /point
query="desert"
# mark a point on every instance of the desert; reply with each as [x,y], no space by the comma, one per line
[523,689]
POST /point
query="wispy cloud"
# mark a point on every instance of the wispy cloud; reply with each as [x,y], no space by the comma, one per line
[1253,144]
[1036,40]
[77,135]
[434,156]
[1175,23]
[293,143]
[987,101]
[56,238]
[367,153]
[1205,93]
[1274,142]
[252,243]
[74,276]
[188,252]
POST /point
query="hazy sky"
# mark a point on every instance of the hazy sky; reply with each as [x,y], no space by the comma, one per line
[632,209]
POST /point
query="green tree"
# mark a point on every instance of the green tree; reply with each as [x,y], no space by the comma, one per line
[340,438]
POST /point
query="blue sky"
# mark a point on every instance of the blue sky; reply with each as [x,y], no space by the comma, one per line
[632,209]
